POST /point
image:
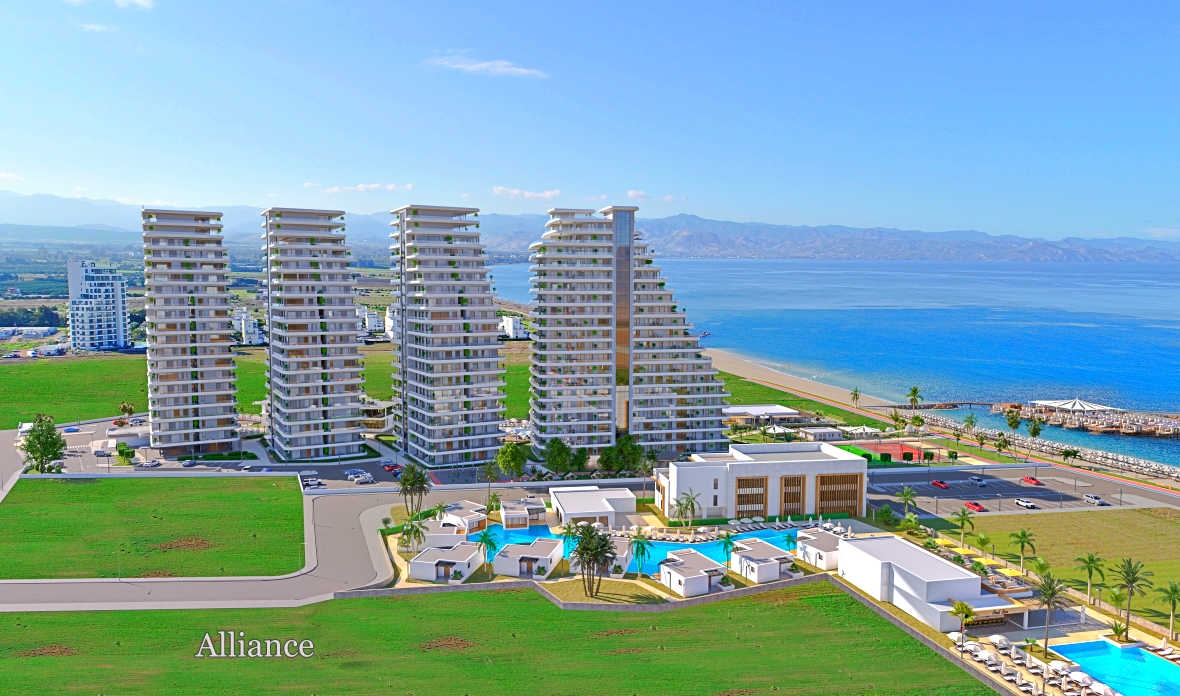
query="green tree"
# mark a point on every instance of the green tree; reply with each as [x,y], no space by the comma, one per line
[982,540]
[1068,454]
[854,397]
[569,536]
[897,418]
[609,459]
[914,396]
[641,548]
[1170,595]
[494,501]
[1023,538]
[907,497]
[644,469]
[981,438]
[413,534]
[965,614]
[1034,432]
[595,553]
[557,455]
[1012,416]
[512,457]
[969,423]
[42,444]
[962,519]
[1091,564]
[579,458]
[690,502]
[630,454]
[1052,596]
[885,515]
[1116,597]
[1131,576]
[1003,443]
[728,543]
[918,421]
[490,472]
[489,545]
[413,486]
[127,409]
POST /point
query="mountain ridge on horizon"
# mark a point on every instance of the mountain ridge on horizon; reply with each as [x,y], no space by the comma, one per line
[681,235]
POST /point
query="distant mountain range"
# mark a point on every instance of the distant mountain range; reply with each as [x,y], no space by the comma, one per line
[78,220]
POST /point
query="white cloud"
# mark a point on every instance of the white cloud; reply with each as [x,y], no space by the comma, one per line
[365,188]
[1158,232]
[141,4]
[465,196]
[308,184]
[272,195]
[95,27]
[81,188]
[517,193]
[637,195]
[669,198]
[125,201]
[596,199]
[484,67]
[10,175]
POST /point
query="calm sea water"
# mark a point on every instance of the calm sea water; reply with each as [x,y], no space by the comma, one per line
[970,331]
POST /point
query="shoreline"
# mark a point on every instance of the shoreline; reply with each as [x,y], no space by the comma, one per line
[742,366]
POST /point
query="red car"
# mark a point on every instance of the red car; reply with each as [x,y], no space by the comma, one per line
[394,467]
[940,484]
[1032,481]
[972,505]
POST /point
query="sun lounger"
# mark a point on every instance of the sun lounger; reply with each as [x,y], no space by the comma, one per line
[1009,674]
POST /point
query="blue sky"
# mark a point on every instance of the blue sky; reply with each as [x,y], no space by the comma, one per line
[1050,120]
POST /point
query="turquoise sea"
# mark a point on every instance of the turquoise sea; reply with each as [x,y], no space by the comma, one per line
[971,331]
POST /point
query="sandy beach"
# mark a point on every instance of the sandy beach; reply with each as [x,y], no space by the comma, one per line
[740,365]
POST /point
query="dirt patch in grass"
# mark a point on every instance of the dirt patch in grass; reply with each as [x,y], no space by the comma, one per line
[738,692]
[158,574]
[49,651]
[617,632]
[625,651]
[186,544]
[447,643]
[506,592]
[1164,513]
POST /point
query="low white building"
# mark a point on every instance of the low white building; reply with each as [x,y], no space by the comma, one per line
[374,322]
[513,327]
[609,506]
[690,573]
[247,325]
[623,557]
[536,560]
[519,514]
[759,561]
[821,434]
[440,564]
[37,331]
[751,414]
[922,584]
[820,549]
[471,517]
[792,478]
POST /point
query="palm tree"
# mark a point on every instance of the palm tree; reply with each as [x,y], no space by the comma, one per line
[728,542]
[1052,595]
[1170,595]
[854,397]
[645,467]
[1003,443]
[1034,431]
[914,396]
[1131,576]
[413,533]
[969,423]
[569,535]
[489,544]
[1068,454]
[982,540]
[918,421]
[690,502]
[965,614]
[907,497]
[594,553]
[640,547]
[1090,564]
[1117,596]
[1012,416]
[493,501]
[962,518]
[1024,539]
[981,438]
[897,418]
[490,473]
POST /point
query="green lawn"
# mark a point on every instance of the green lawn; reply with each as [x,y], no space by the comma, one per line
[70,389]
[746,392]
[516,401]
[811,639]
[1151,535]
[74,528]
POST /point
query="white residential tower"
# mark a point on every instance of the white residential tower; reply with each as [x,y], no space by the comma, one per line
[99,319]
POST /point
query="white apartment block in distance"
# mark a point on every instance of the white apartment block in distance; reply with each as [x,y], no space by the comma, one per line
[447,376]
[314,369]
[192,396]
[99,319]
[611,350]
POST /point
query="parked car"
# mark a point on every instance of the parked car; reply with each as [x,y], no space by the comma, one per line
[364,477]
[72,429]
[1026,503]
[393,467]
[1094,500]
[188,462]
[940,484]
[138,421]
[101,453]
[977,481]
[351,472]
[12,355]
[247,467]
[1032,481]
[358,474]
[972,505]
[312,482]
[267,469]
[309,472]
[151,463]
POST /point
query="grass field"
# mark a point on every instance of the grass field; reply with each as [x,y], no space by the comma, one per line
[1151,535]
[70,389]
[811,639]
[75,528]
[516,400]
[747,392]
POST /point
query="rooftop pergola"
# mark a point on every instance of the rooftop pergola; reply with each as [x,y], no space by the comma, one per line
[1075,406]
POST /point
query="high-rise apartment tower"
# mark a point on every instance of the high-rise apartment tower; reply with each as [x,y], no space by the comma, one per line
[613,352]
[99,319]
[447,376]
[192,397]
[314,369]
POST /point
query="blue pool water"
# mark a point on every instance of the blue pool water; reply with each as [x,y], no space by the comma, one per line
[1131,671]
[784,540]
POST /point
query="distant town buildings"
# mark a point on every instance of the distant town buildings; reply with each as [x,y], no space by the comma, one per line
[247,326]
[374,322]
[315,384]
[513,327]
[447,374]
[392,327]
[612,350]
[192,396]
[98,316]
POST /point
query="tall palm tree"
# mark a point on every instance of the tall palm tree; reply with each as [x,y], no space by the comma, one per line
[595,553]
[914,396]
[1012,416]
[489,544]
[1003,443]
[569,536]
[690,501]
[728,542]
[1052,595]
[1024,539]
[645,467]
[493,501]
[1170,595]
[1090,564]
[897,418]
[1034,431]
[962,518]
[918,421]
[490,473]
[982,540]
[907,497]
[965,614]
[969,423]
[854,397]
[1131,576]
[413,534]
[641,548]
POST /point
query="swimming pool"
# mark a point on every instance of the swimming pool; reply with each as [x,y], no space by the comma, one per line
[659,551]
[1130,671]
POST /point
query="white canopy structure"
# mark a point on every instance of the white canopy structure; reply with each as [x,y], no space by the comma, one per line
[859,430]
[779,430]
[759,411]
[1075,406]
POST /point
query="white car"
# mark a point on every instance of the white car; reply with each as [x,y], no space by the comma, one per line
[1094,500]
[312,483]
[363,477]
[1026,503]
[977,481]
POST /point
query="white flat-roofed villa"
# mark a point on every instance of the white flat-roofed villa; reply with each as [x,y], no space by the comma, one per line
[759,561]
[819,548]
[920,583]
[519,514]
[590,504]
[439,564]
[535,560]
[469,516]
[792,478]
[690,573]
